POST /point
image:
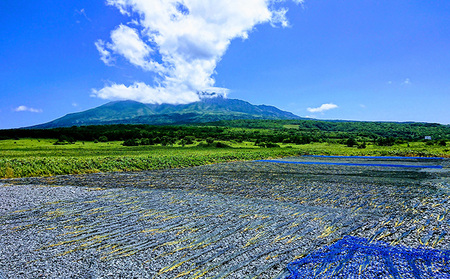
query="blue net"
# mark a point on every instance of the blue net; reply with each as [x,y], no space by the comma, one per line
[351,164]
[375,157]
[353,257]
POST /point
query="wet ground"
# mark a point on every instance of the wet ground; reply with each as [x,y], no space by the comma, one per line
[230,220]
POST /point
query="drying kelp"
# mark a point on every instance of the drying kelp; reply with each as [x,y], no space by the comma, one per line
[233,220]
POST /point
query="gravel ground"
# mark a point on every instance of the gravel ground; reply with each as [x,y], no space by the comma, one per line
[233,220]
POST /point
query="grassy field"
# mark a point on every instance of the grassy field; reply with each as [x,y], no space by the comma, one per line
[33,157]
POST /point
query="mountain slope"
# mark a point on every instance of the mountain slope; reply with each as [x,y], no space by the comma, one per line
[132,112]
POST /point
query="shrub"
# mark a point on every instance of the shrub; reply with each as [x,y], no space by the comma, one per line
[146,141]
[182,142]
[221,145]
[385,141]
[267,144]
[351,142]
[167,141]
[63,140]
[271,145]
[103,139]
[189,140]
[157,140]
[130,142]
[60,143]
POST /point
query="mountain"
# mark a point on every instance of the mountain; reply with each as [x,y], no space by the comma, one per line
[205,110]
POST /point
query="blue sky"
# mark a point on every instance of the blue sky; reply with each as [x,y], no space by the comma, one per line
[353,60]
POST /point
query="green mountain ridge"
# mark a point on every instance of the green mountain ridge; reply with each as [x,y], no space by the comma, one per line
[205,110]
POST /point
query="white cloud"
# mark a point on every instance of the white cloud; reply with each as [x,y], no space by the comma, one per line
[322,108]
[279,17]
[126,42]
[105,55]
[182,42]
[25,108]
[82,12]
[142,92]
[406,82]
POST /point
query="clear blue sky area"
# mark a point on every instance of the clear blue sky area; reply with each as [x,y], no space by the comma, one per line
[352,60]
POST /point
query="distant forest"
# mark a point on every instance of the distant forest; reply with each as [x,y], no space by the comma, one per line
[258,131]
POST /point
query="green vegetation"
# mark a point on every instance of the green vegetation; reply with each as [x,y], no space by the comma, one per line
[287,131]
[46,152]
[33,157]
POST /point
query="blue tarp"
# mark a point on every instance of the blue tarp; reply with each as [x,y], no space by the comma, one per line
[376,157]
[352,164]
[354,257]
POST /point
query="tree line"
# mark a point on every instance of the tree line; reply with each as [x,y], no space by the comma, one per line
[261,132]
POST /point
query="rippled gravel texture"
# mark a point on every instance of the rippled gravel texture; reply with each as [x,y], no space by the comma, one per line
[229,220]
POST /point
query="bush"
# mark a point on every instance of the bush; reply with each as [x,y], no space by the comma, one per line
[167,141]
[60,143]
[351,142]
[362,145]
[103,139]
[63,140]
[214,144]
[189,140]
[146,141]
[260,144]
[130,142]
[267,144]
[221,145]
[182,142]
[385,141]
[209,140]
[304,139]
[271,145]
[442,143]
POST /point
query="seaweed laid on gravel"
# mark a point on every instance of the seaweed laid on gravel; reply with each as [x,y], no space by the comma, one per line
[228,220]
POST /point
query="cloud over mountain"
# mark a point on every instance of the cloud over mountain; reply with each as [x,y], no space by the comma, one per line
[181,41]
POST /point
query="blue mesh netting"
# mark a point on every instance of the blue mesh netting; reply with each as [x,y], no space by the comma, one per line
[353,257]
[351,164]
[375,157]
